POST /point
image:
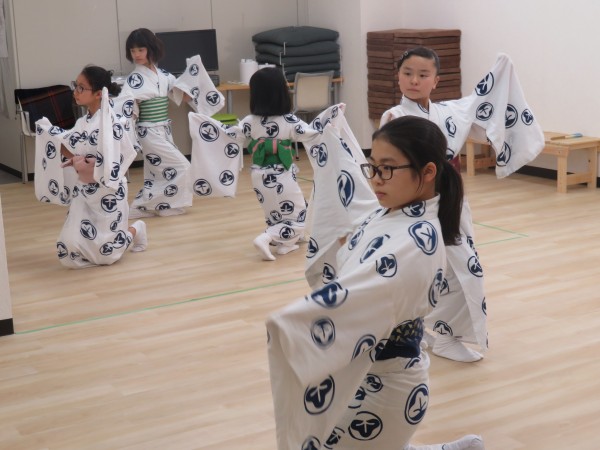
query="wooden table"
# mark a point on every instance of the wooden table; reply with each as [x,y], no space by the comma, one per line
[561,149]
[229,88]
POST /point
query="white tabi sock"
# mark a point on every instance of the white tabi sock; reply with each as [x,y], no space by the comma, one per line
[140,241]
[171,212]
[136,213]
[285,249]
[261,243]
[451,348]
[429,339]
[468,442]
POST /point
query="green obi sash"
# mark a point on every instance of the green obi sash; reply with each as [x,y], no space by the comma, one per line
[268,152]
[154,110]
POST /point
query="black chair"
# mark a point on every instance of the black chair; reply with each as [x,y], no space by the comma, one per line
[54,102]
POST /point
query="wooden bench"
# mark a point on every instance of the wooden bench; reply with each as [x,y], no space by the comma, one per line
[561,148]
[485,160]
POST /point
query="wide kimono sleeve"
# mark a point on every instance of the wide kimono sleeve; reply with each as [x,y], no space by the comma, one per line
[499,107]
[319,352]
[217,152]
[115,151]
[53,184]
[196,83]
[107,141]
[496,111]
[390,114]
[322,346]
[301,131]
[126,110]
[341,196]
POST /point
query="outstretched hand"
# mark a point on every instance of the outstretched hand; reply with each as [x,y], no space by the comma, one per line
[84,166]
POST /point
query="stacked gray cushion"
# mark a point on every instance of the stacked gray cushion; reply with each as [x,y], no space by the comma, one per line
[299,49]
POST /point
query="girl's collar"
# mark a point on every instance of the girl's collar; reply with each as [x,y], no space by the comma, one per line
[417,104]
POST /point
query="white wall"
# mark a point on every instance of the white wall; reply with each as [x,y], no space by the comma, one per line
[553,44]
[161,16]
[158,16]
[344,16]
[236,21]
[359,17]
[5,298]
[54,39]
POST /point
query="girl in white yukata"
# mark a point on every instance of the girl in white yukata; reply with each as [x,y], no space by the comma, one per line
[346,363]
[459,310]
[271,129]
[461,315]
[167,189]
[85,168]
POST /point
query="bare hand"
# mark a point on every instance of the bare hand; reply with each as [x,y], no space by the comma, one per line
[84,166]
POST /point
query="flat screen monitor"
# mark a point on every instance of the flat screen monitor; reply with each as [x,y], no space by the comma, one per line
[180,45]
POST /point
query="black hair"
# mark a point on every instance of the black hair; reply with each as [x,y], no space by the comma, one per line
[144,38]
[269,93]
[421,141]
[423,52]
[100,78]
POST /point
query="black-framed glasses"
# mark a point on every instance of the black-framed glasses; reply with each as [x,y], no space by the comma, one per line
[79,88]
[384,171]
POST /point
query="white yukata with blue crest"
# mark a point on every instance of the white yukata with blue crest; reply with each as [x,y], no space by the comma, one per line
[276,187]
[217,160]
[216,156]
[347,370]
[96,229]
[166,169]
[167,179]
[124,107]
[197,84]
[341,197]
[498,111]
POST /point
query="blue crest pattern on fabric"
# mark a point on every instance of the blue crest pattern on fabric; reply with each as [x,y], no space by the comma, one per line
[94,232]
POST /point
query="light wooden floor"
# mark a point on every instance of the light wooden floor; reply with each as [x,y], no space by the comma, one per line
[167,349]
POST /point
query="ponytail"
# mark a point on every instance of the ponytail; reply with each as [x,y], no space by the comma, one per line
[423,142]
[114,89]
[449,185]
[99,78]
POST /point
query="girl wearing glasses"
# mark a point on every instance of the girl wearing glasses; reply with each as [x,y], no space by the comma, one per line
[84,168]
[167,190]
[347,369]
